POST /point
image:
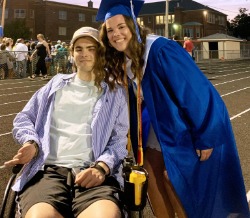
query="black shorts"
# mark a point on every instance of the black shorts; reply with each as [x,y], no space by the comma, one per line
[70,199]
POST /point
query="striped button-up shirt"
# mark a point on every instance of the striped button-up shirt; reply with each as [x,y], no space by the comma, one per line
[109,127]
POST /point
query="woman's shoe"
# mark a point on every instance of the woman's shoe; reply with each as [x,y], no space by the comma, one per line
[32,77]
[45,77]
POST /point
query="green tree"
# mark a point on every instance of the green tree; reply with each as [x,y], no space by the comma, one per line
[17,29]
[240,25]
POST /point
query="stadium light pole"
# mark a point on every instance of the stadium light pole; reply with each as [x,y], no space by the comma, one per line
[166,19]
[3,13]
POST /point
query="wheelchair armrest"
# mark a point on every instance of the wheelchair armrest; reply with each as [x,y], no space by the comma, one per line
[17,168]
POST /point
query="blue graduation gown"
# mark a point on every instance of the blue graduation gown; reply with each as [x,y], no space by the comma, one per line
[187,113]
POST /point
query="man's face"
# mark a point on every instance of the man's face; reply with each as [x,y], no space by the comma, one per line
[84,54]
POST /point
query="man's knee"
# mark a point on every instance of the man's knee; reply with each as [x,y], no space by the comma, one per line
[100,209]
[42,210]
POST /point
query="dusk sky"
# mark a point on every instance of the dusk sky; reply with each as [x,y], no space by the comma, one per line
[229,7]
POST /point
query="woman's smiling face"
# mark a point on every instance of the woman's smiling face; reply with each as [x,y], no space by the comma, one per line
[118,33]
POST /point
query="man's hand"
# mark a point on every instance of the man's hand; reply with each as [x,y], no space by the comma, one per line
[90,177]
[204,154]
[24,155]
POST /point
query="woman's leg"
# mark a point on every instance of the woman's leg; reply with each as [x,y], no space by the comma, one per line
[159,199]
[173,197]
[162,195]
[38,67]
[43,67]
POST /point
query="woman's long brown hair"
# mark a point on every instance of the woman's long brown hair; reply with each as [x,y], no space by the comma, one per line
[115,60]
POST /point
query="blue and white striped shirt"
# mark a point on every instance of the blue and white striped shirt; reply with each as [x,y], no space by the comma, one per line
[109,127]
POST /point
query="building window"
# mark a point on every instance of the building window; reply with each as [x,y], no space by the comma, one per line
[93,18]
[171,18]
[31,30]
[19,13]
[221,20]
[62,15]
[160,32]
[198,32]
[81,17]
[32,13]
[160,19]
[62,31]
[149,19]
[140,21]
[6,14]
[211,18]
[189,32]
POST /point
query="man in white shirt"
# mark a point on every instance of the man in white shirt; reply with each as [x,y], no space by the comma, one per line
[21,52]
[73,133]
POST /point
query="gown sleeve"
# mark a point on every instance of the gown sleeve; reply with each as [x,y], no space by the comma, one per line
[199,103]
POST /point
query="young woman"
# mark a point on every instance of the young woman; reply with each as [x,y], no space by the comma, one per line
[191,154]
[42,51]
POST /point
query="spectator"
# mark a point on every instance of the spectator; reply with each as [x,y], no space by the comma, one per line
[42,51]
[4,56]
[188,45]
[176,38]
[48,60]
[58,43]
[21,52]
[10,61]
[61,58]
[34,61]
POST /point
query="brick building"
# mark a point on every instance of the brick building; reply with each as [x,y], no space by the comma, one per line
[185,18]
[54,20]
[59,21]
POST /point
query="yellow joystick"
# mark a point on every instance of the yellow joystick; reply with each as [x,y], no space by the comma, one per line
[137,177]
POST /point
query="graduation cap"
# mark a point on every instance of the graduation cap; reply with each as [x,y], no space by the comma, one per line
[130,8]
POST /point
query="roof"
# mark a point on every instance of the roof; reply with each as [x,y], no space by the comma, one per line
[160,7]
[192,24]
[219,37]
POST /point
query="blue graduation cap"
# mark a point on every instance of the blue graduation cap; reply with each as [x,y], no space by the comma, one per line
[130,8]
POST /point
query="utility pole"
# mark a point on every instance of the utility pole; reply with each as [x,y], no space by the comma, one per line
[166,19]
[3,13]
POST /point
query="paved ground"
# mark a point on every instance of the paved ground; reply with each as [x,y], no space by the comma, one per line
[231,79]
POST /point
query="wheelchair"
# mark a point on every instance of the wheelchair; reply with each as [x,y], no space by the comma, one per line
[9,206]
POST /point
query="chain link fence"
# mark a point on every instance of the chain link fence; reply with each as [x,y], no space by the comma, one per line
[63,62]
[10,68]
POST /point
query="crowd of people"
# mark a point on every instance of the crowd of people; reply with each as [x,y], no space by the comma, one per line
[32,59]
[126,81]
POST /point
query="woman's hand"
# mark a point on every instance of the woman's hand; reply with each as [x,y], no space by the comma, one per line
[204,154]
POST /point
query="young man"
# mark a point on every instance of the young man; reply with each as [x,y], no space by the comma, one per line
[74,135]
